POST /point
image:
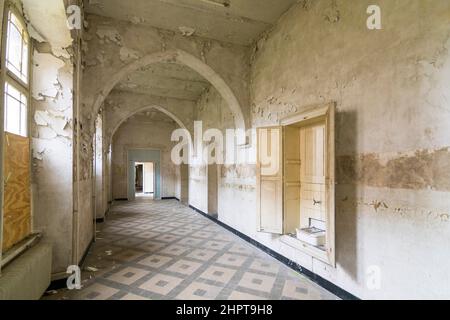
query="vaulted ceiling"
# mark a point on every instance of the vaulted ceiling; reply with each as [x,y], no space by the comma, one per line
[166,80]
[151,116]
[235,21]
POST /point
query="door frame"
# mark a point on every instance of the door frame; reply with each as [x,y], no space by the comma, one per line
[157,165]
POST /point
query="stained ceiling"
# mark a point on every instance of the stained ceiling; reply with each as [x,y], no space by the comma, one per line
[232,21]
[151,115]
[166,80]
[235,21]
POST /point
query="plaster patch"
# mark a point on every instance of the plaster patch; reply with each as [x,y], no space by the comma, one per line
[45,75]
[38,153]
[332,14]
[47,133]
[186,31]
[137,20]
[127,55]
[109,34]
[34,34]
[40,118]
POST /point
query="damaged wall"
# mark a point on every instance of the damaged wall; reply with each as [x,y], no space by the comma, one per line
[51,119]
[52,133]
[110,45]
[115,44]
[141,132]
[391,88]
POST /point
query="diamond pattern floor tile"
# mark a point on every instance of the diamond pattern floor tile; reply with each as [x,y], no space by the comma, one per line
[163,250]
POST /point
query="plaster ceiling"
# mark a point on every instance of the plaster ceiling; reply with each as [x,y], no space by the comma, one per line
[235,21]
[166,80]
[44,29]
[151,115]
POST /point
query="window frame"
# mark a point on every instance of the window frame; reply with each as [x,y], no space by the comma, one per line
[10,9]
[6,76]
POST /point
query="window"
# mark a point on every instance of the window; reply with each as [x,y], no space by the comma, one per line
[16,222]
[17,56]
[17,76]
[15,111]
[295,182]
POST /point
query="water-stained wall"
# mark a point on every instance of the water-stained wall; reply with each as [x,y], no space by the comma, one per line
[392,149]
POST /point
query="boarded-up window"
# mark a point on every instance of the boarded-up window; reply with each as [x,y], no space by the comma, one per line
[17,224]
[17,198]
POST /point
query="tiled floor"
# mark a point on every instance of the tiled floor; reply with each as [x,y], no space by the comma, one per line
[163,250]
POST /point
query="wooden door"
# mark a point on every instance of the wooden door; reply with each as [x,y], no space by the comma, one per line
[312,173]
[291,172]
[270,180]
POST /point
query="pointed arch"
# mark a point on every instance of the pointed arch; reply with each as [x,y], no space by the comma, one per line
[146,108]
[181,57]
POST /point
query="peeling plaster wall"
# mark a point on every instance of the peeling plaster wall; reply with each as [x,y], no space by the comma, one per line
[391,89]
[136,134]
[52,132]
[51,120]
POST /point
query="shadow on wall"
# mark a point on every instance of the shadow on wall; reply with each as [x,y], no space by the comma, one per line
[346,207]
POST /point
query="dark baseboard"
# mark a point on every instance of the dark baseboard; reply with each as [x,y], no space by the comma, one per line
[341,293]
[121,199]
[62,283]
[100,220]
[169,198]
[57,285]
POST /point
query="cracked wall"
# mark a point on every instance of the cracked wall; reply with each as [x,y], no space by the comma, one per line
[391,89]
[51,131]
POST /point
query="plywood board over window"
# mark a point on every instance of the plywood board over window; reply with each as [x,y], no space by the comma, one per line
[17,194]
[296,179]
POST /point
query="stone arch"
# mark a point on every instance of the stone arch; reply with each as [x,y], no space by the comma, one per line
[133,112]
[182,57]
